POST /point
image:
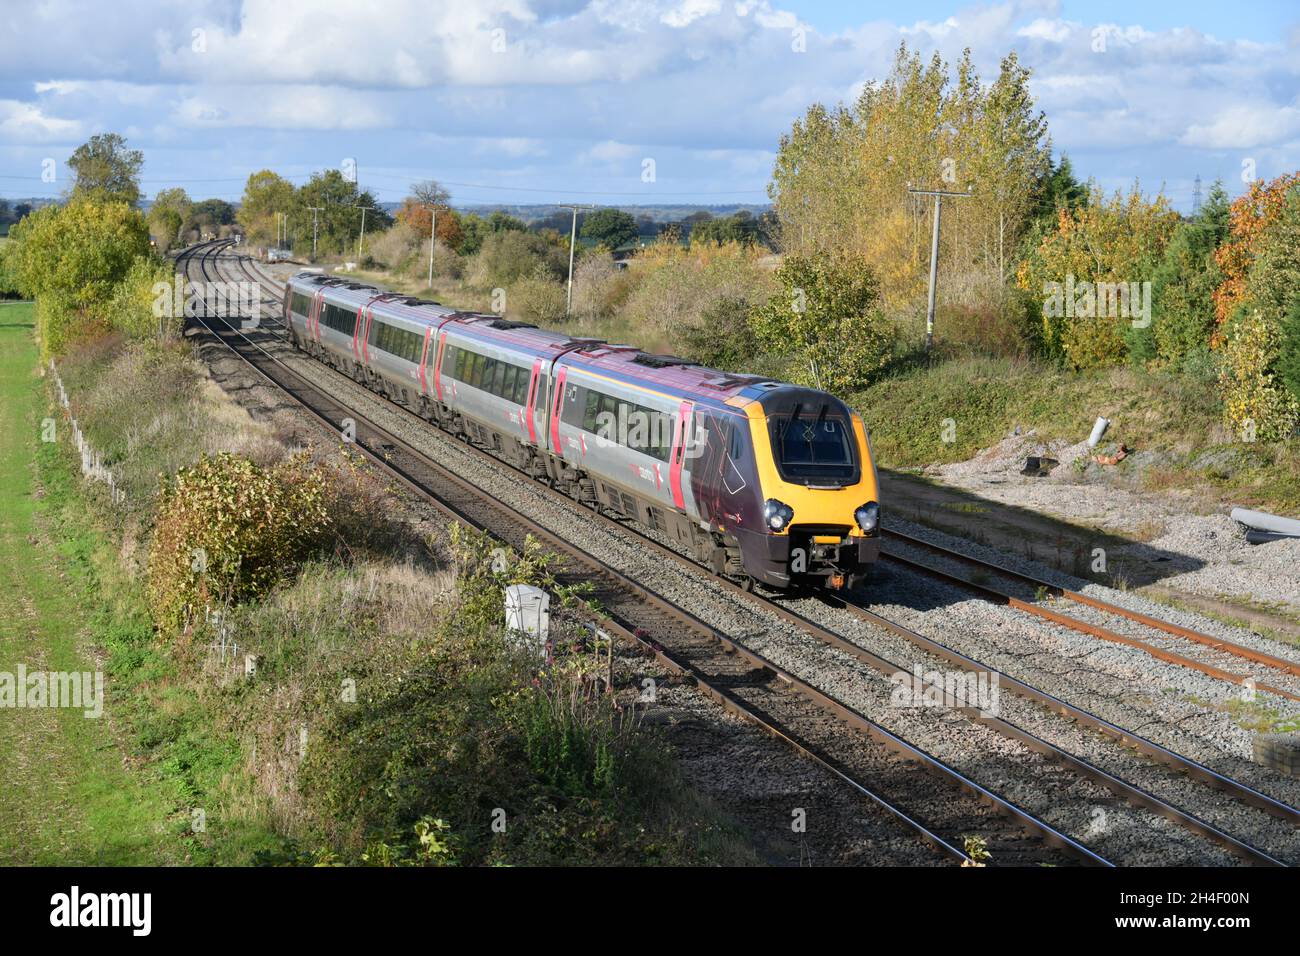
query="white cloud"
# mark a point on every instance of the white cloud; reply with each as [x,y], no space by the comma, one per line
[610,151]
[1245,126]
[705,86]
[25,123]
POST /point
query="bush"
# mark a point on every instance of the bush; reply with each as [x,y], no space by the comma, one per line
[828,320]
[1254,406]
[724,338]
[675,286]
[600,287]
[144,302]
[71,258]
[1121,239]
[395,248]
[509,255]
[446,263]
[538,299]
[1003,325]
[227,530]
[1288,359]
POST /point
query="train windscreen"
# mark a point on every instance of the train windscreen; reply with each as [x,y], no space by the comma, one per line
[812,447]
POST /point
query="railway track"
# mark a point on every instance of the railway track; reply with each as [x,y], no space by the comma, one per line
[939,804]
[1005,595]
[1126,791]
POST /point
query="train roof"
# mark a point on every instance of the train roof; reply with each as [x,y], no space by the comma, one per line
[625,363]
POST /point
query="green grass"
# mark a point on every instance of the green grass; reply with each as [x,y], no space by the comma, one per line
[68,798]
[1175,417]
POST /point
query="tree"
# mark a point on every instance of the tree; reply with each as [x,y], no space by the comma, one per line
[1250,218]
[105,170]
[742,227]
[1183,286]
[339,217]
[71,258]
[266,194]
[841,176]
[610,227]
[169,214]
[417,215]
[1119,242]
[828,318]
[1288,359]
[209,215]
[501,222]
[430,193]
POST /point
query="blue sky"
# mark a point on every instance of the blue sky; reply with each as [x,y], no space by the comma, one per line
[581,100]
[1259,20]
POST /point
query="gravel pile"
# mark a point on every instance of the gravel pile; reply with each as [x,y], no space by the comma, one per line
[1220,562]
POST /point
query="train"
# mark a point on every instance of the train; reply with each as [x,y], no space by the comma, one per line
[762,481]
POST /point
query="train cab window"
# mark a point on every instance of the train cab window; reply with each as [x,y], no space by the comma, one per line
[812,447]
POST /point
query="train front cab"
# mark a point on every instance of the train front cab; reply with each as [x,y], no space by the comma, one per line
[820,511]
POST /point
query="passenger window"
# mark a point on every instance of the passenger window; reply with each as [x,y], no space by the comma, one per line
[499,377]
[522,378]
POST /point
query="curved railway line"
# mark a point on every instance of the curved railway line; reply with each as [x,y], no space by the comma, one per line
[744,682]
[756,687]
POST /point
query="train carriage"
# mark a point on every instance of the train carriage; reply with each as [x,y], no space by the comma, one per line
[762,480]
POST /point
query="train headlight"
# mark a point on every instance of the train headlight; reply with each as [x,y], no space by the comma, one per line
[777,515]
[868,517]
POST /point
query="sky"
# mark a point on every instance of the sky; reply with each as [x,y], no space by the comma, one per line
[616,101]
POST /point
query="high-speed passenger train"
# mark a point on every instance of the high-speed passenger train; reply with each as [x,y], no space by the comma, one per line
[760,480]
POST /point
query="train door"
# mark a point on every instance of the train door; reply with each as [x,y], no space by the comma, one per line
[429,347]
[682,440]
[437,363]
[313,318]
[556,406]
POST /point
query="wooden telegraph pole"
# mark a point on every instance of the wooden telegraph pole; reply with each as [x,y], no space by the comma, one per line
[938,195]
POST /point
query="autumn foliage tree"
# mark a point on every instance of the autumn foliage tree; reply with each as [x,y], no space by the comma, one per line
[1120,240]
[1260,338]
[841,175]
[1249,220]
[417,215]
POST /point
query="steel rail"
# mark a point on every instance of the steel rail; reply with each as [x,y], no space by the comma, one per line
[1130,792]
[1218,644]
[825,701]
